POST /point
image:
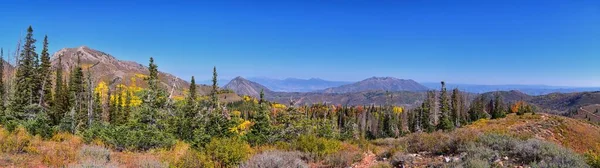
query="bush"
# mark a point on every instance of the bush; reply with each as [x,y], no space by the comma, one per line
[40,125]
[276,159]
[499,142]
[345,157]
[96,153]
[151,162]
[476,163]
[16,141]
[61,150]
[401,160]
[228,152]
[593,159]
[545,153]
[94,156]
[317,147]
[182,155]
[134,136]
[436,143]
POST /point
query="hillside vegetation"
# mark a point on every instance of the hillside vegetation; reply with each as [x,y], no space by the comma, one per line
[71,121]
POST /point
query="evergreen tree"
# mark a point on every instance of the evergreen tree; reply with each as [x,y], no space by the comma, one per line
[154,91]
[445,123]
[45,75]
[2,87]
[191,100]
[427,106]
[261,130]
[214,92]
[24,79]
[60,101]
[97,109]
[498,111]
[262,95]
[456,106]
[76,94]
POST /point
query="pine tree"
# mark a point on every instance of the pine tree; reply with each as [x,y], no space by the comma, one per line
[97,109]
[262,126]
[60,100]
[498,111]
[24,79]
[2,87]
[456,106]
[214,92]
[45,75]
[445,121]
[191,100]
[76,94]
[154,90]
[262,95]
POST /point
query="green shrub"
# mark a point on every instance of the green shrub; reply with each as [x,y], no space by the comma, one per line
[228,152]
[593,159]
[138,137]
[317,147]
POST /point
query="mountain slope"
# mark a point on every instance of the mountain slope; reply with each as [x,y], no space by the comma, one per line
[243,86]
[378,84]
[107,69]
[297,85]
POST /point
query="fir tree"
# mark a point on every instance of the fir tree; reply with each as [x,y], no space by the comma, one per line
[97,109]
[445,123]
[262,95]
[60,100]
[76,93]
[456,106]
[45,75]
[2,87]
[262,126]
[214,92]
[191,100]
[24,79]
[498,111]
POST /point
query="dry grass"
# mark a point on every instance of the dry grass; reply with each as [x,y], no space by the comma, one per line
[571,133]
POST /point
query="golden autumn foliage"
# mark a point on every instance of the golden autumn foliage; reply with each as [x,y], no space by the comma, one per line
[515,107]
[398,109]
[243,128]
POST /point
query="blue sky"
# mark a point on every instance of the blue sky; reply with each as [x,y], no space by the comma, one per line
[478,42]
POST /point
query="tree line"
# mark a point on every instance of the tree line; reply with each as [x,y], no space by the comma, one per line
[46,101]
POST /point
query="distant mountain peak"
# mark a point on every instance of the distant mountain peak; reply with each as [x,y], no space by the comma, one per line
[379,83]
[243,86]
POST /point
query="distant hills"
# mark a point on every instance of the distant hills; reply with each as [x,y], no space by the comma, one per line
[297,85]
[557,103]
[379,84]
[528,89]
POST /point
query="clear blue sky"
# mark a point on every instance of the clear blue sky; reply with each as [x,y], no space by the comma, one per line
[478,42]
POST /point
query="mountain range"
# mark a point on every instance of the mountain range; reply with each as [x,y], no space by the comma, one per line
[375,90]
[297,85]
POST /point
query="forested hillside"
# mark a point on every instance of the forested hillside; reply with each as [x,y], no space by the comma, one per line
[60,116]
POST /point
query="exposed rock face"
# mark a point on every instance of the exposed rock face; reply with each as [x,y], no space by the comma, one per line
[379,84]
[106,68]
